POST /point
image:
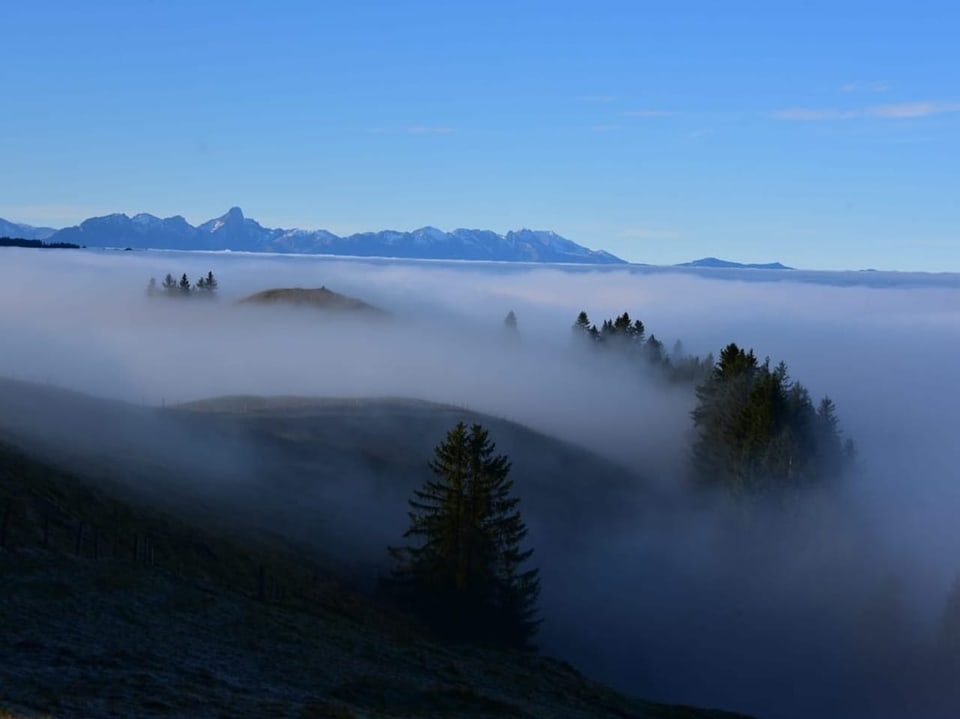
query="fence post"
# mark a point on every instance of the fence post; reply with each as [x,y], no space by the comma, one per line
[115,543]
[3,522]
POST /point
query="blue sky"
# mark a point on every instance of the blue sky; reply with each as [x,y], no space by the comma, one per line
[820,134]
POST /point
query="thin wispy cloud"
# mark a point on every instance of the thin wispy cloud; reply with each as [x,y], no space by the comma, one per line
[649,113]
[648,233]
[894,111]
[808,113]
[413,130]
[595,98]
[913,109]
[874,86]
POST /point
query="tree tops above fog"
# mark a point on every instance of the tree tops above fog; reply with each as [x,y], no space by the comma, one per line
[627,337]
[756,429]
[205,286]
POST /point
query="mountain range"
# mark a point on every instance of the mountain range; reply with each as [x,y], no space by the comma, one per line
[233,231]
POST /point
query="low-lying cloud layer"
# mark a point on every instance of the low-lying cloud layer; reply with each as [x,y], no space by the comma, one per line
[830,606]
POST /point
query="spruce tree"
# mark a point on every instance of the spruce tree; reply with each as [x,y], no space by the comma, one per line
[463,572]
[169,284]
[582,328]
[185,284]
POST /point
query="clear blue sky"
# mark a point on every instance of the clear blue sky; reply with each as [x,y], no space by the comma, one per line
[820,134]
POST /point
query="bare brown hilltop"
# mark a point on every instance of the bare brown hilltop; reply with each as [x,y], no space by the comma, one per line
[319,298]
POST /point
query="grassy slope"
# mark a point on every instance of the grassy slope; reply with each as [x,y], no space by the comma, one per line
[184,631]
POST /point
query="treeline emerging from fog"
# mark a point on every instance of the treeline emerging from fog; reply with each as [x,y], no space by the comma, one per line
[756,430]
[36,244]
[205,286]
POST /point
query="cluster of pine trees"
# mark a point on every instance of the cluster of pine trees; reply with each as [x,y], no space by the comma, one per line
[628,338]
[463,572]
[36,244]
[757,430]
[622,335]
[206,286]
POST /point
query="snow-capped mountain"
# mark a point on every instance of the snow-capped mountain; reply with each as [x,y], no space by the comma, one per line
[24,232]
[233,231]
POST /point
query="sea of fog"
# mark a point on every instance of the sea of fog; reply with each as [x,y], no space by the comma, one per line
[830,606]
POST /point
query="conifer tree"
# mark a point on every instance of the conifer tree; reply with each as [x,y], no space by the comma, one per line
[211,284]
[169,284]
[464,571]
[510,321]
[185,284]
[581,327]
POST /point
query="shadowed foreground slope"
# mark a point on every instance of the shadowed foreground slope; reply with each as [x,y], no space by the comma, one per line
[110,608]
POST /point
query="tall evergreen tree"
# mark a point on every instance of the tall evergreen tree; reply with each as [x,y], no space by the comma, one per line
[510,321]
[464,571]
[184,284]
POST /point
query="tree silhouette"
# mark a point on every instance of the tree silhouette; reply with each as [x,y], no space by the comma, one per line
[463,573]
[169,284]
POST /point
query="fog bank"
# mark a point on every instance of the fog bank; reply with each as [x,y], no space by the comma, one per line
[829,605]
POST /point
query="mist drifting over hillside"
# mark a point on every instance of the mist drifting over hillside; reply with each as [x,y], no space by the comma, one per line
[829,605]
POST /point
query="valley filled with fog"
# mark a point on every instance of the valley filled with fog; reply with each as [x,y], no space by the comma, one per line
[829,602]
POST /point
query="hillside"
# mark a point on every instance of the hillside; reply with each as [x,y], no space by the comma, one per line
[26,232]
[163,610]
[713,262]
[321,299]
[234,231]
[305,467]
